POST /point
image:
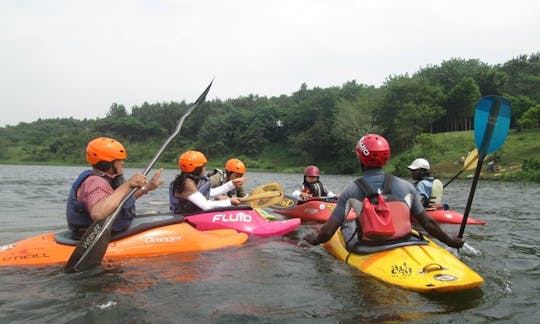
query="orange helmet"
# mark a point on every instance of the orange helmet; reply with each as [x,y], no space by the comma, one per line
[104,149]
[190,160]
[236,166]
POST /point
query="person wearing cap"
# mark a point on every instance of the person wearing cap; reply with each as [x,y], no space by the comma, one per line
[234,169]
[429,188]
[373,152]
[312,185]
[96,193]
[190,191]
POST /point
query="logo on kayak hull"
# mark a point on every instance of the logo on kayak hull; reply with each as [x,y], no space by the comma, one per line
[444,277]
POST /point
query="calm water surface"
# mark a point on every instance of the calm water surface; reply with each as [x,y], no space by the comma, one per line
[270,279]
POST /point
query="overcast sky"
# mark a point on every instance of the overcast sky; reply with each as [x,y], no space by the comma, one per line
[67,58]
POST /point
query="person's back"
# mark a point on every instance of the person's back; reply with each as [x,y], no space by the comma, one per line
[373,153]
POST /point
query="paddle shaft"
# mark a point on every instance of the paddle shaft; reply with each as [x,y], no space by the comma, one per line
[264,195]
[486,140]
[96,238]
[465,167]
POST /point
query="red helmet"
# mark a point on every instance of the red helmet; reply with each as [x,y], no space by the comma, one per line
[235,166]
[104,149]
[311,171]
[373,150]
[190,160]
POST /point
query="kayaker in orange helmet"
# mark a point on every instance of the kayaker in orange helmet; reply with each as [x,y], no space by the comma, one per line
[373,153]
[312,185]
[191,191]
[96,193]
[234,169]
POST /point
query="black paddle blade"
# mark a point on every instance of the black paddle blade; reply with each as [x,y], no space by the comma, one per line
[91,248]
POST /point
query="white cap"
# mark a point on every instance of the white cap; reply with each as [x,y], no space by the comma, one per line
[419,164]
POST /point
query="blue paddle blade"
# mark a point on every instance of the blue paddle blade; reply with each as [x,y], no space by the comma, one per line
[491,123]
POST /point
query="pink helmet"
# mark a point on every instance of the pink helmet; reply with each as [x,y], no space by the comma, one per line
[373,150]
[311,171]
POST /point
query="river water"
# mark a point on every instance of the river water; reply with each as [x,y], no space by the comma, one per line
[268,279]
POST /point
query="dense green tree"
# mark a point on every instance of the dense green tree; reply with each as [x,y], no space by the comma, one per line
[531,117]
[312,125]
[460,104]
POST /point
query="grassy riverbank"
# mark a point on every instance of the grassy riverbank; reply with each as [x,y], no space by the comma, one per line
[517,160]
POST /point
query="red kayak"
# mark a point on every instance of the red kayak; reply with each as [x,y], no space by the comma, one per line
[451,217]
[317,210]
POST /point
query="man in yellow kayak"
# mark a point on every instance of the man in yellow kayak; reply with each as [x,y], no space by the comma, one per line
[96,193]
[373,152]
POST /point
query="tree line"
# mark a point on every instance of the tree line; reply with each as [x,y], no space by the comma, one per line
[311,126]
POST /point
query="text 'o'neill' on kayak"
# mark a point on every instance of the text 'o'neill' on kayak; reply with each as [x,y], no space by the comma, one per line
[416,264]
[148,235]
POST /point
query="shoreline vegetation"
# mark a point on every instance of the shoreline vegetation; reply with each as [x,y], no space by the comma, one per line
[517,160]
[427,114]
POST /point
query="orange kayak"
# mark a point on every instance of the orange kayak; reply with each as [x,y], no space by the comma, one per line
[148,236]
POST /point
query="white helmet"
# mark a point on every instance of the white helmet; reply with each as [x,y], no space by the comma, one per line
[419,164]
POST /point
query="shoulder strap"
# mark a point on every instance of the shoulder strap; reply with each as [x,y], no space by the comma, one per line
[364,186]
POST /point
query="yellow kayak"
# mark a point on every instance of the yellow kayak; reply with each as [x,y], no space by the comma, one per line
[423,268]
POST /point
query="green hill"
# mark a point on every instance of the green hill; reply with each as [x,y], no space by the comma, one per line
[517,159]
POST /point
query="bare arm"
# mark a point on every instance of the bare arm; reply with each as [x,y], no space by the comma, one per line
[324,234]
[106,206]
[433,228]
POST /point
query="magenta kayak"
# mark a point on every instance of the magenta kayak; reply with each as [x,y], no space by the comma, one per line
[242,219]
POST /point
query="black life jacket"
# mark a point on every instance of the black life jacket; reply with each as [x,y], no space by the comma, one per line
[184,206]
[316,189]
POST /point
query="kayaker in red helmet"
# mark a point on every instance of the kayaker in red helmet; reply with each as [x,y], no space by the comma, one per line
[96,193]
[373,153]
[312,186]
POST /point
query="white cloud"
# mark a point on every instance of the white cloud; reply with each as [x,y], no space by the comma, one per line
[74,58]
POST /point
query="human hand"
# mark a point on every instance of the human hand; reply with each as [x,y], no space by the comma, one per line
[235,201]
[456,242]
[311,238]
[305,196]
[138,180]
[238,181]
[156,181]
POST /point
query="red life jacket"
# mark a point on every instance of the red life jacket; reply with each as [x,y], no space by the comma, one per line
[384,217]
